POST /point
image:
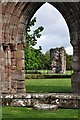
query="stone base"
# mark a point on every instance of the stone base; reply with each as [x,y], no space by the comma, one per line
[62,100]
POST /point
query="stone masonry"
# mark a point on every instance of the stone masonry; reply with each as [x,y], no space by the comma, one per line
[42,100]
[14,18]
[58,60]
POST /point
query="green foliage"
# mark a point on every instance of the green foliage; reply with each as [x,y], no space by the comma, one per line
[69,62]
[33,57]
[46,60]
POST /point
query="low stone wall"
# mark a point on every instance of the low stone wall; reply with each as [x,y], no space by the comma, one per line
[62,100]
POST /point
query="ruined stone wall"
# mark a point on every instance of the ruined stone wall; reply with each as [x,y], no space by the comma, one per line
[58,60]
[14,18]
[62,100]
[12,65]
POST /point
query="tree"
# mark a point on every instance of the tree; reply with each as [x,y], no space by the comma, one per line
[46,60]
[69,62]
[32,56]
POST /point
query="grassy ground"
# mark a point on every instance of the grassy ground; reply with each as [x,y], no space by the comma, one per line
[48,85]
[42,85]
[28,113]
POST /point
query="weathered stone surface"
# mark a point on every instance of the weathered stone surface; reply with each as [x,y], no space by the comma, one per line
[35,100]
[45,107]
[14,18]
[58,60]
[18,75]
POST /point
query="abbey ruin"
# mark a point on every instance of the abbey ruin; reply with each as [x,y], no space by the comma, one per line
[58,60]
[14,19]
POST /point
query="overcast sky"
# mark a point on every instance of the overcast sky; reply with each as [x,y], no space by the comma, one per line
[56,33]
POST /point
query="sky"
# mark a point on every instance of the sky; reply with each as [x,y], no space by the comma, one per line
[56,33]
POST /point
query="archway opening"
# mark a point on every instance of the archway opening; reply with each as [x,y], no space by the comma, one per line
[55,34]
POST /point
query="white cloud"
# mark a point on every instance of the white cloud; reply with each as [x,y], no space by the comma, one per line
[69,50]
[56,33]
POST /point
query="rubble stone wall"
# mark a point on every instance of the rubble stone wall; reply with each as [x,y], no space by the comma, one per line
[58,60]
[62,100]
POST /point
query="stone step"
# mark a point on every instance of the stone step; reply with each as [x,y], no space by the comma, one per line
[40,106]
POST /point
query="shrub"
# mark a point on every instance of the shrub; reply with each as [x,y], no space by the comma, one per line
[40,76]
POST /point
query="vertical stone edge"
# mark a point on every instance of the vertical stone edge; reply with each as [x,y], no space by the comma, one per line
[0,58]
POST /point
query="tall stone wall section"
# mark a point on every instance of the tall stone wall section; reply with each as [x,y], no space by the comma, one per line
[12,66]
[58,60]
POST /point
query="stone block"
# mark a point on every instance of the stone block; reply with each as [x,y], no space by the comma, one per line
[20,84]
[45,107]
[19,64]
[21,91]
[13,55]
[14,85]
[13,62]
[2,76]
[19,59]
[13,68]
[18,76]
[19,54]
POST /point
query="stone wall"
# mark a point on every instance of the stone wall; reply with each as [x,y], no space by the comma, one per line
[13,70]
[58,60]
[14,19]
[62,100]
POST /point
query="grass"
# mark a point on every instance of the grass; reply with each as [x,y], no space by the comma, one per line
[28,113]
[42,85]
[48,85]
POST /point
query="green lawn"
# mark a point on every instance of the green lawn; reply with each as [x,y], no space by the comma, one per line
[48,85]
[28,113]
[42,85]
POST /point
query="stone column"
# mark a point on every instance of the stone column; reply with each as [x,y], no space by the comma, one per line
[13,67]
[20,69]
[2,69]
[75,79]
[76,68]
[7,67]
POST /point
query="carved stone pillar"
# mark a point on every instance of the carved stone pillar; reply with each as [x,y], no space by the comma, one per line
[7,67]
[18,69]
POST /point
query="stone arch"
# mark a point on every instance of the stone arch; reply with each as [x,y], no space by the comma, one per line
[15,18]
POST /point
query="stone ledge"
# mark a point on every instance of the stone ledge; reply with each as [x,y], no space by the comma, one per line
[63,100]
[42,95]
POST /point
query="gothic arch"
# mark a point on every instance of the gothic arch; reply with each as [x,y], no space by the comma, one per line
[15,18]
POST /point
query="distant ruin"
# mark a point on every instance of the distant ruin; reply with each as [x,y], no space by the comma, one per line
[58,60]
